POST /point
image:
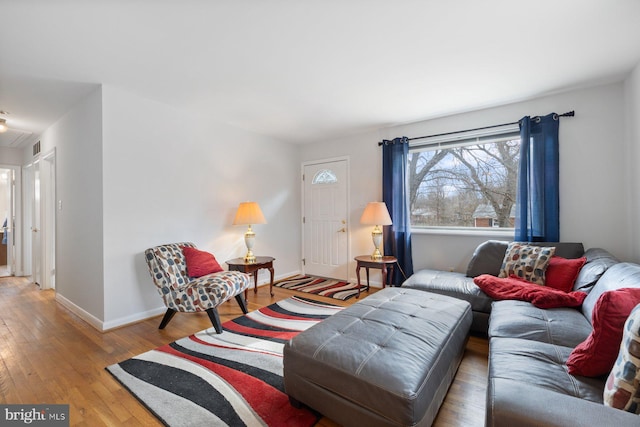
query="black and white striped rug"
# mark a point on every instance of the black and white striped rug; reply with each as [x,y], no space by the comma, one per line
[233,378]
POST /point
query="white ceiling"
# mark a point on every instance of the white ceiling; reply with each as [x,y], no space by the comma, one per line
[308,70]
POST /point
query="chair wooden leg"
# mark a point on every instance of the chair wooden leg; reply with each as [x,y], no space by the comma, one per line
[215,319]
[167,318]
[242,303]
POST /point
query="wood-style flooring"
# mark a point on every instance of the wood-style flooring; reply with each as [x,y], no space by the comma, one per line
[49,355]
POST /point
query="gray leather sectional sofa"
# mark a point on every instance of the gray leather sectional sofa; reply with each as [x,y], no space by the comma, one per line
[528,383]
[487,259]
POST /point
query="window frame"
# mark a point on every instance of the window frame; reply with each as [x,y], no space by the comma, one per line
[461,139]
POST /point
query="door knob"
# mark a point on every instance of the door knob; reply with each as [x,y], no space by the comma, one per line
[342,230]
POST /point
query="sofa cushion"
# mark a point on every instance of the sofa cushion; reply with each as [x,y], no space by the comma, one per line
[527,262]
[539,365]
[200,263]
[519,319]
[617,276]
[450,284]
[622,390]
[488,256]
[514,288]
[596,355]
[563,272]
[598,261]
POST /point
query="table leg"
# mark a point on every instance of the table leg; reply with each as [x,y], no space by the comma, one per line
[271,282]
[390,275]
[358,276]
[384,275]
[255,282]
[367,270]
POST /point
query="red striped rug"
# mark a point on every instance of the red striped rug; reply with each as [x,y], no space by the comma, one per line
[320,286]
[233,378]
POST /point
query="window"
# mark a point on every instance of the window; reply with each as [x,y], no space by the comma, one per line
[325,176]
[465,180]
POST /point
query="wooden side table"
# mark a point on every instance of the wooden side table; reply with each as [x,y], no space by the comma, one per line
[387,263]
[238,264]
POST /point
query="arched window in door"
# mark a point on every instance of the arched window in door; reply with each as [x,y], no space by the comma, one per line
[324,176]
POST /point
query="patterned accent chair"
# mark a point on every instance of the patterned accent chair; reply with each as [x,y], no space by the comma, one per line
[168,269]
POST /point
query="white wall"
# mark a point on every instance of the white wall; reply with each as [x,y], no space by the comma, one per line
[632,108]
[77,138]
[10,156]
[592,172]
[170,176]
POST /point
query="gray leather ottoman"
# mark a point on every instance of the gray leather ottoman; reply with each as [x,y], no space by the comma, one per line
[387,360]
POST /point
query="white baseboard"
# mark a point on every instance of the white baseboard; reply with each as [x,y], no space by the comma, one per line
[81,313]
[136,317]
[101,325]
[133,318]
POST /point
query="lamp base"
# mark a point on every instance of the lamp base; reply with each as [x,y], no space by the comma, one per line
[376,236]
[249,238]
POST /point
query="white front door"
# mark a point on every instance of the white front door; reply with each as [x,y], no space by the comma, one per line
[325,216]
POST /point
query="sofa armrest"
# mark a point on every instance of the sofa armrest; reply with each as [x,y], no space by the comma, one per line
[510,403]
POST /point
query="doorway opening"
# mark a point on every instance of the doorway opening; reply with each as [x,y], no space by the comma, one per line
[6,221]
[40,221]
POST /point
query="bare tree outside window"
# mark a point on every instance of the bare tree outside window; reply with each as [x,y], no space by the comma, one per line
[471,185]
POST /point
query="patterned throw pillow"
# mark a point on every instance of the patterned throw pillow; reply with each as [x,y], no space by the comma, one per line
[527,262]
[622,390]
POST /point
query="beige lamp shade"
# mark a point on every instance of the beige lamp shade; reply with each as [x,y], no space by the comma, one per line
[375,213]
[249,213]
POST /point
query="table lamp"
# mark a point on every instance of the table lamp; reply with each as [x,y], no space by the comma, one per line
[376,213]
[249,213]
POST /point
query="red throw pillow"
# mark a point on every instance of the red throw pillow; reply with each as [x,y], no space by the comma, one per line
[562,272]
[596,355]
[515,288]
[200,263]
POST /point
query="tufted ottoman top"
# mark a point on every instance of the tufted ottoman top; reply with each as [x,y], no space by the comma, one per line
[388,354]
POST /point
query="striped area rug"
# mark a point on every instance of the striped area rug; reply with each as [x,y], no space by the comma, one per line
[233,378]
[320,286]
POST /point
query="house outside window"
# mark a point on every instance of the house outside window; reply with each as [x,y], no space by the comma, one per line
[465,181]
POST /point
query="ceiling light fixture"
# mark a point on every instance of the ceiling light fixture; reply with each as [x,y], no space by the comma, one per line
[3,125]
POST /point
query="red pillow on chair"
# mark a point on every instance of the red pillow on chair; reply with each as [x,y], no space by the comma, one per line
[200,263]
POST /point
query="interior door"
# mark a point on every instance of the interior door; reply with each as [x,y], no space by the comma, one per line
[325,217]
[48,220]
[36,241]
[7,219]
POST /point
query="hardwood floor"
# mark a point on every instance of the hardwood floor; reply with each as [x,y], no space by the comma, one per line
[49,355]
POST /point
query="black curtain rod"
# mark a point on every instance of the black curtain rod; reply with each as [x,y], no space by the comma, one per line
[567,114]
